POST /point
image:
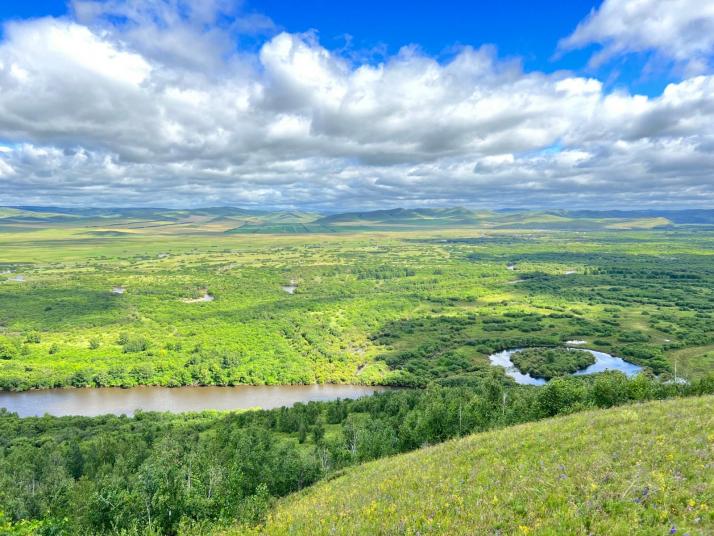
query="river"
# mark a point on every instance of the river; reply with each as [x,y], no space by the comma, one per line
[603,362]
[100,401]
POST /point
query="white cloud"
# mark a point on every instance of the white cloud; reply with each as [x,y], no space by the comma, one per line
[680,30]
[5,169]
[100,115]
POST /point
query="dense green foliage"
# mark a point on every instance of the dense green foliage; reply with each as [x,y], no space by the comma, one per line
[120,308]
[551,362]
[642,470]
[169,473]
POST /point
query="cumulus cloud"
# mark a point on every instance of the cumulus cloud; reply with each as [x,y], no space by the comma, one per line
[106,108]
[679,30]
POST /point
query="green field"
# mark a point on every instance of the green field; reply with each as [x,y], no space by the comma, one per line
[426,299]
[636,470]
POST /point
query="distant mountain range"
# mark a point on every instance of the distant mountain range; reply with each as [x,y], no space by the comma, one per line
[250,221]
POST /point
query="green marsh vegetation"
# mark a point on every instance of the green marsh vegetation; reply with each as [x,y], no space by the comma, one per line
[401,308]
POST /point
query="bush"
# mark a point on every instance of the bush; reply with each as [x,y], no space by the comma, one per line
[138,344]
[8,350]
[33,337]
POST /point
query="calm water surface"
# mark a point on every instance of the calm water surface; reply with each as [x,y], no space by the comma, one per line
[602,363]
[91,402]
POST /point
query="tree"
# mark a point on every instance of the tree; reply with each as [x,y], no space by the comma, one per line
[561,395]
[302,432]
[318,431]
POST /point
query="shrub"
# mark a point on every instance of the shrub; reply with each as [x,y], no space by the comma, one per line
[33,337]
[137,344]
[7,349]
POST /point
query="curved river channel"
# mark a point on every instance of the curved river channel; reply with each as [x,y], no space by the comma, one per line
[602,363]
[99,401]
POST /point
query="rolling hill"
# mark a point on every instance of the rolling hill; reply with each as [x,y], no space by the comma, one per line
[235,220]
[644,469]
[403,216]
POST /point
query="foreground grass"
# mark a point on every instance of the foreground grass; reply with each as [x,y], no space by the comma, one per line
[644,469]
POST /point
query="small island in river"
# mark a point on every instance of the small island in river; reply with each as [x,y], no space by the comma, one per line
[548,363]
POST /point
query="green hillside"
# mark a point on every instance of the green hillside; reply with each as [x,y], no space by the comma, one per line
[402,216]
[233,220]
[644,469]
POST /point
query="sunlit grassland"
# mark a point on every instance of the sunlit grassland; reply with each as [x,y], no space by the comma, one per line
[643,469]
[370,307]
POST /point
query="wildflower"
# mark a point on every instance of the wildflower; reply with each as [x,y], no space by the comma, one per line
[673,530]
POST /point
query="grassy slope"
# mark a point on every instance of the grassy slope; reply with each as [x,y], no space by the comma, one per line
[633,470]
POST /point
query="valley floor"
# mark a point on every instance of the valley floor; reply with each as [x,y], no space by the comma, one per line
[405,308]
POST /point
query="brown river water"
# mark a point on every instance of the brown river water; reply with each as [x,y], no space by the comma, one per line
[100,401]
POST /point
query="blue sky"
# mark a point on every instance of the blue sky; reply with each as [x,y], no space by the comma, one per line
[523,29]
[370,104]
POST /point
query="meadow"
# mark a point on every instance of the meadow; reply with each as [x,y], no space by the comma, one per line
[640,470]
[125,303]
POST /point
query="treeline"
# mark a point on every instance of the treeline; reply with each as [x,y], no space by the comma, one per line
[172,474]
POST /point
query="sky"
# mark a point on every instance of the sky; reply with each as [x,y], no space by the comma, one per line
[323,105]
